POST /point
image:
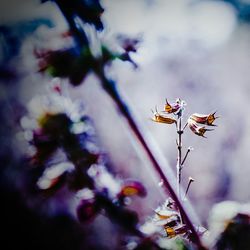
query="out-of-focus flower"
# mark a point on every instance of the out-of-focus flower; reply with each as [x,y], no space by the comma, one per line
[229,225]
[131,188]
[204,119]
[67,63]
[196,128]
[128,189]
[42,106]
[104,179]
[163,118]
[52,175]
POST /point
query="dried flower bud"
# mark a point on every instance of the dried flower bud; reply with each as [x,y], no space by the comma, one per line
[162,118]
[176,108]
[53,175]
[204,119]
[197,129]
[172,107]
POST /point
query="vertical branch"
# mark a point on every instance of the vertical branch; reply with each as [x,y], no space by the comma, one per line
[179,158]
[179,162]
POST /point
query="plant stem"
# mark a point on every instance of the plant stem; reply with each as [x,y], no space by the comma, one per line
[145,142]
[111,89]
[179,158]
[178,164]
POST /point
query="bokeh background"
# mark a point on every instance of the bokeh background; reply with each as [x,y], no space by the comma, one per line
[196,50]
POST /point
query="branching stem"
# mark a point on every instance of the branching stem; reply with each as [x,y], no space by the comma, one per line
[185,157]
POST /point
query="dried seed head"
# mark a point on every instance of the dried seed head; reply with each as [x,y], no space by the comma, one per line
[162,118]
[204,119]
[172,108]
[196,128]
[176,108]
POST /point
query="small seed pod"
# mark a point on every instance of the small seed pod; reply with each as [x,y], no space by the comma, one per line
[162,118]
[172,107]
[204,119]
[197,129]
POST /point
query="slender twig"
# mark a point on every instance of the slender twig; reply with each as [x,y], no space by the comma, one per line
[111,89]
[185,126]
[185,157]
[188,186]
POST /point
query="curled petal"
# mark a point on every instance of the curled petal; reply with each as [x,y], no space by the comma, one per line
[197,129]
[162,118]
[204,119]
[211,118]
